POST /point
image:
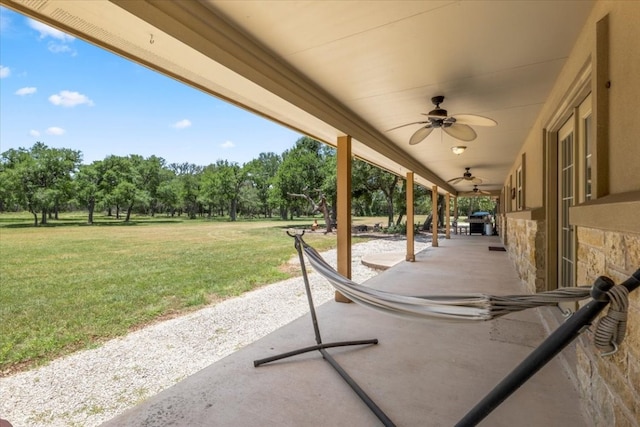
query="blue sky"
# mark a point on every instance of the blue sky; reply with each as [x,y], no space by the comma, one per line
[67,93]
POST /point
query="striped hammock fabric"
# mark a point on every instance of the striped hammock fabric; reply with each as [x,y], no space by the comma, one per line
[474,306]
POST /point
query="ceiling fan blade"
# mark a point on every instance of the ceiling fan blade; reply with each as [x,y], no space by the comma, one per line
[407,124]
[454,181]
[476,180]
[461,132]
[474,120]
[420,134]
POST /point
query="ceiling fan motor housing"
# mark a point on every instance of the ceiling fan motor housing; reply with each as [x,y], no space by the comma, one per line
[438,112]
[437,100]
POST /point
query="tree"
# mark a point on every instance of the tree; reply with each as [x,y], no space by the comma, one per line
[87,185]
[188,175]
[472,204]
[40,178]
[262,172]
[320,206]
[301,171]
[231,177]
[151,173]
[169,192]
[369,179]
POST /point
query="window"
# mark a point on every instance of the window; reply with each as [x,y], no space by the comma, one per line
[519,191]
[586,150]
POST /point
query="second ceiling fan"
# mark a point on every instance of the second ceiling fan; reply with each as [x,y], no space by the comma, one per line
[466,176]
[458,126]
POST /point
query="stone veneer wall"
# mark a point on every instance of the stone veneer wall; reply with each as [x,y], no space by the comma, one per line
[525,241]
[610,386]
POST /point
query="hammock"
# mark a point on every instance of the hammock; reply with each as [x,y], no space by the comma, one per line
[609,332]
[474,306]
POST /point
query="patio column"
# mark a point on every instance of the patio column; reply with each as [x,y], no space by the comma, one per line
[455,213]
[447,217]
[455,208]
[411,256]
[434,213]
[343,210]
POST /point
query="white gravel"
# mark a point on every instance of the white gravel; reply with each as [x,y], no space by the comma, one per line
[90,387]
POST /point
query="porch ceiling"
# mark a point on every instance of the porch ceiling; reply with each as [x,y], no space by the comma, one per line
[329,68]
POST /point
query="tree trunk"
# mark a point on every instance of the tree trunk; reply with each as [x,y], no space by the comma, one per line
[327,217]
[129,213]
[35,218]
[233,209]
[440,210]
[44,217]
[91,207]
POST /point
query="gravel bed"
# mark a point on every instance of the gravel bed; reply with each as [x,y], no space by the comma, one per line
[90,387]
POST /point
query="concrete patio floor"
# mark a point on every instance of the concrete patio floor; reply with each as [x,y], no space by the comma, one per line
[422,373]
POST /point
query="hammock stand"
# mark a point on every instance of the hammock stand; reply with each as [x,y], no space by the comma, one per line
[609,332]
[321,347]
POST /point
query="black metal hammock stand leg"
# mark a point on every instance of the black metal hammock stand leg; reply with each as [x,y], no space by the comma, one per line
[321,347]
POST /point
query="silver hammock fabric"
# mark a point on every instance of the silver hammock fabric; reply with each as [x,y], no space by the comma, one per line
[474,306]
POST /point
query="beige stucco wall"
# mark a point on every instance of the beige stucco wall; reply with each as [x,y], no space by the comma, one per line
[608,229]
[624,94]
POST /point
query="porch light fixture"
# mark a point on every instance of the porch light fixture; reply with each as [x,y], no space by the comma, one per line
[458,149]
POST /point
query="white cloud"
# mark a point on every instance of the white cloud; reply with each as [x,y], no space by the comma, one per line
[227,144]
[60,48]
[182,124]
[53,130]
[34,133]
[47,31]
[60,42]
[26,91]
[4,71]
[70,99]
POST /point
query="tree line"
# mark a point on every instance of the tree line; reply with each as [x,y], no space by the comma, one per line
[46,181]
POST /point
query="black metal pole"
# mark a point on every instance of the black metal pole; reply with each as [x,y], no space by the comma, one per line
[307,287]
[322,347]
[359,391]
[546,351]
[257,363]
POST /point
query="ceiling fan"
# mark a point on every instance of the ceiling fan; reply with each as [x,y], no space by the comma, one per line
[458,125]
[475,192]
[466,176]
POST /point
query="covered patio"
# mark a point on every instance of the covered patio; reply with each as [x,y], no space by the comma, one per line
[421,372]
[562,162]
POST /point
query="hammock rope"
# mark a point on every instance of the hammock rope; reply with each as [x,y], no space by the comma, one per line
[611,328]
[609,333]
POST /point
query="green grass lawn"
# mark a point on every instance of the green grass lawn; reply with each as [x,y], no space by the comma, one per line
[67,285]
